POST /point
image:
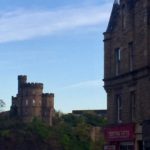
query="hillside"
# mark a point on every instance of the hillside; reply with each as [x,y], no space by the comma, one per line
[68,133]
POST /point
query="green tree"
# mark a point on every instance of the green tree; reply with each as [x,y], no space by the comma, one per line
[2,105]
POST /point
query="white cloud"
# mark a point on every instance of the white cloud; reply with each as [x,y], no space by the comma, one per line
[85,84]
[25,24]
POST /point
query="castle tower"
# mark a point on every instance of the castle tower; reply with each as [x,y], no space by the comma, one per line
[22,79]
[127,70]
[48,107]
[31,99]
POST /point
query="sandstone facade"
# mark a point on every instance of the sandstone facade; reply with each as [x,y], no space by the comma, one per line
[127,62]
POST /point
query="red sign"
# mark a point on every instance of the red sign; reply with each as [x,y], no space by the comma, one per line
[120,133]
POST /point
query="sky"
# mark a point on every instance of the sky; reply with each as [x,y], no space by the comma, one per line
[58,43]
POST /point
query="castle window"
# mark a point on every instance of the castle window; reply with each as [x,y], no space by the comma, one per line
[119,108]
[25,113]
[33,102]
[45,113]
[133,106]
[27,102]
[131,55]
[117,60]
[33,92]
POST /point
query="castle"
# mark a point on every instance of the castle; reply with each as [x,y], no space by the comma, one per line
[31,102]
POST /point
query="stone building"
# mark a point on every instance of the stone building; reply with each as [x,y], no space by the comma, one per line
[127,74]
[30,102]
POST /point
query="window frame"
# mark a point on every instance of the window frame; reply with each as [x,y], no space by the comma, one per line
[119,108]
[133,105]
[131,55]
[27,102]
[117,60]
[33,102]
[123,16]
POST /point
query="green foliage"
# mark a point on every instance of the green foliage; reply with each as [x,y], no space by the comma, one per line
[94,120]
[70,139]
[88,118]
[69,131]
[2,105]
[73,120]
[39,128]
[74,131]
[5,133]
[7,123]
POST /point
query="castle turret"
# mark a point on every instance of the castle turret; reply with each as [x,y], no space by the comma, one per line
[22,79]
[47,107]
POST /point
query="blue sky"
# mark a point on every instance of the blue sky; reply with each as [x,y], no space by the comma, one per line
[58,43]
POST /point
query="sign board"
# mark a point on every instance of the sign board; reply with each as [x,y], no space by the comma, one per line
[120,133]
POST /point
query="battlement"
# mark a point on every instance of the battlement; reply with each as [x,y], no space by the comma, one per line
[34,85]
[22,83]
[22,77]
[48,95]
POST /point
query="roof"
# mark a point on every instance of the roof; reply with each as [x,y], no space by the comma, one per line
[114,16]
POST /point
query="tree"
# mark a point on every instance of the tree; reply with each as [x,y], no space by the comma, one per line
[2,105]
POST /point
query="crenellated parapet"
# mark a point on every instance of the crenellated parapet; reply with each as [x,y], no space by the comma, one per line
[48,107]
[48,100]
[44,95]
[22,83]
[33,85]
[22,77]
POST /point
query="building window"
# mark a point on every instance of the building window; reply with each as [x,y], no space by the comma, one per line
[131,55]
[117,60]
[25,112]
[126,146]
[33,102]
[119,108]
[133,105]
[123,17]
